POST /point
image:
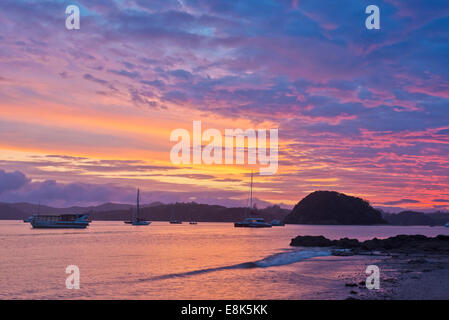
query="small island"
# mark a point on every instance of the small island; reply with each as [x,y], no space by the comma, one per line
[333,208]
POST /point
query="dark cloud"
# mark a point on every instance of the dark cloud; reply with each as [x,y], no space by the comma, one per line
[402,201]
[440,200]
[12,180]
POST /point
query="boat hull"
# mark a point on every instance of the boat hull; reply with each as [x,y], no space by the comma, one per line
[141,223]
[39,225]
[65,221]
[252,225]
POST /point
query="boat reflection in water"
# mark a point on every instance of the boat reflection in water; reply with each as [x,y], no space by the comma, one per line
[77,221]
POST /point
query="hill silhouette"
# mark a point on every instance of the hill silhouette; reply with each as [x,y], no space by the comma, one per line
[330,207]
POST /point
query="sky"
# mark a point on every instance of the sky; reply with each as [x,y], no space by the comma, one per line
[86,115]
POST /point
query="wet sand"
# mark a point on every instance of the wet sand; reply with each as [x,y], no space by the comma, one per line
[402,277]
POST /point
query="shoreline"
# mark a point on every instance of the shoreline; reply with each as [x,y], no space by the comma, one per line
[413,276]
[409,266]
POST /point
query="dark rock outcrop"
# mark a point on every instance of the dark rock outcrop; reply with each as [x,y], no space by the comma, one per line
[400,243]
[330,207]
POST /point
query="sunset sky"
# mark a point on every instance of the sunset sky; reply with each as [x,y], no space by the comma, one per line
[86,115]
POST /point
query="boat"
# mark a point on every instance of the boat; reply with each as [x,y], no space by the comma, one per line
[174,221]
[277,223]
[251,222]
[29,218]
[77,221]
[447,225]
[193,222]
[136,221]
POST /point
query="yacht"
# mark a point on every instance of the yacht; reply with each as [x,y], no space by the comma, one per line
[29,218]
[77,221]
[136,221]
[277,223]
[251,222]
[193,222]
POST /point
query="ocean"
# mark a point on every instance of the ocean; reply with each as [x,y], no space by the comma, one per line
[165,261]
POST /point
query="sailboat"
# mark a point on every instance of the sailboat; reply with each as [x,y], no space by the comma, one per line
[251,222]
[136,221]
[174,221]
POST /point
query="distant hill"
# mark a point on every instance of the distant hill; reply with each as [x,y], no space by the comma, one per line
[8,212]
[413,218]
[192,211]
[155,211]
[330,207]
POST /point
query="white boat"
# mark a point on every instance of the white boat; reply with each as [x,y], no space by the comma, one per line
[252,222]
[77,221]
[136,221]
[29,218]
[277,223]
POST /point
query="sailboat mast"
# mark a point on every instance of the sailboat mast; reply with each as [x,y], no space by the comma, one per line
[138,204]
[251,193]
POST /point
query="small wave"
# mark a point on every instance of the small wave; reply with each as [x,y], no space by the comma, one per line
[278,259]
[284,258]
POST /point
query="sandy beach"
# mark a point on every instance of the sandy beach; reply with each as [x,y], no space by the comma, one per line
[402,277]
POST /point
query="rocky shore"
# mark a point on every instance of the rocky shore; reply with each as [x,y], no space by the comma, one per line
[412,267]
[398,244]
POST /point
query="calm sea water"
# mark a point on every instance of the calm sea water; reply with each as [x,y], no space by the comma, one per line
[164,261]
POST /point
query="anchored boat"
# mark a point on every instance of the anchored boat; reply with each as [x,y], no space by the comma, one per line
[77,221]
[277,223]
[250,222]
[136,221]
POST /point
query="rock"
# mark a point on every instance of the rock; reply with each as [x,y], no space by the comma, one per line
[310,241]
[330,207]
[350,285]
[348,243]
[417,261]
[342,253]
[407,244]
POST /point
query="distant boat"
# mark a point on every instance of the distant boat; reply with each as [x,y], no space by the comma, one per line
[250,222]
[277,223]
[174,221]
[77,221]
[29,218]
[447,225]
[136,221]
[193,222]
